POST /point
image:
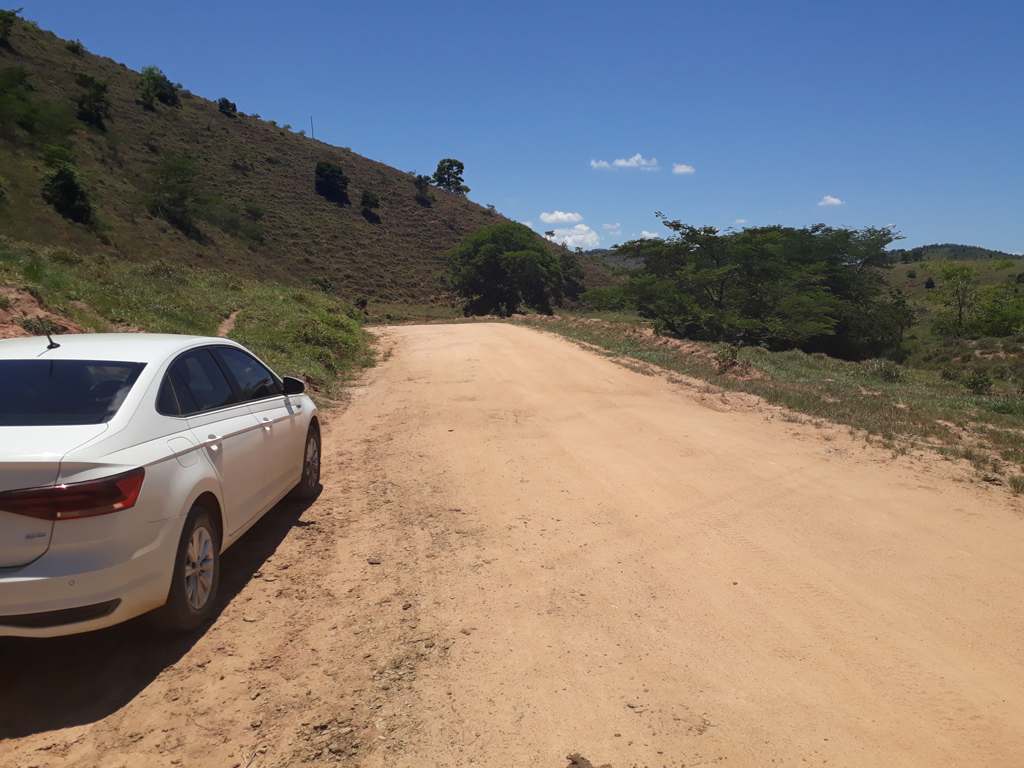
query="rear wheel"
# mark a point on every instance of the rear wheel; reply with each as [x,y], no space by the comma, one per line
[196,576]
[309,484]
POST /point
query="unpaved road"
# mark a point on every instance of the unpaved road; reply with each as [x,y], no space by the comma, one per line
[524,551]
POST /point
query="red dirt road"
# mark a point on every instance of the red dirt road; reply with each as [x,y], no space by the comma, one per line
[525,551]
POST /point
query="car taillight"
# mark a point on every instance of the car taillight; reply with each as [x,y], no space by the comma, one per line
[63,502]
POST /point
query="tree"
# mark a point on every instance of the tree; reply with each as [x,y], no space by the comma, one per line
[64,189]
[499,268]
[227,107]
[331,182]
[175,194]
[449,176]
[93,103]
[573,276]
[369,199]
[7,19]
[959,293]
[154,85]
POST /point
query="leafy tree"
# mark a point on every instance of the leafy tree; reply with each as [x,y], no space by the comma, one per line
[7,19]
[154,86]
[573,276]
[422,183]
[54,156]
[499,268]
[75,47]
[369,200]
[64,189]
[175,194]
[93,103]
[331,182]
[959,293]
[818,288]
[449,176]
[254,212]
[227,107]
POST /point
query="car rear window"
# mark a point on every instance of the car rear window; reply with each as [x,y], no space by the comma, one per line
[36,393]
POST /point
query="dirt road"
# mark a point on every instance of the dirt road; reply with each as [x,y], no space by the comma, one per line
[525,552]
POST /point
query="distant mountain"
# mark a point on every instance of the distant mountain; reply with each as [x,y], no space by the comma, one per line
[256,214]
[948,251]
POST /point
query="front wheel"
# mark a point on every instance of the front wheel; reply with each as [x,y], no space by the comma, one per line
[196,576]
[309,483]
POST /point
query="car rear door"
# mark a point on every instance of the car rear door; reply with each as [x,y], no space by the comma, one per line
[280,419]
[229,433]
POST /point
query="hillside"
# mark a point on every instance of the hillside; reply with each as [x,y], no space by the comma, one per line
[260,217]
[949,252]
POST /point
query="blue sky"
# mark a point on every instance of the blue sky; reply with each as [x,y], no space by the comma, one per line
[587,117]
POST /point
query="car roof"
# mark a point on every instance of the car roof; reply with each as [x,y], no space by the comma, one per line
[124,347]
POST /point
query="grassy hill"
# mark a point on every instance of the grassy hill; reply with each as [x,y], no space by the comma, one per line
[261,218]
[948,252]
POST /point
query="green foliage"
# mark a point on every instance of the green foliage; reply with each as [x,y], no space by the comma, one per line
[449,176]
[54,156]
[929,284]
[93,103]
[227,107]
[978,381]
[501,267]
[5,302]
[959,293]
[573,276]
[331,182]
[7,19]
[175,194]
[23,107]
[369,199]
[818,289]
[64,189]
[885,370]
[254,212]
[1016,483]
[75,47]
[5,193]
[323,282]
[154,86]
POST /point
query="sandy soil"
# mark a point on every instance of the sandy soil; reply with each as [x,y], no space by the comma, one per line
[17,305]
[527,555]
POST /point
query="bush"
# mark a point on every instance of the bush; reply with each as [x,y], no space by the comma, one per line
[911,273]
[979,382]
[331,182]
[7,19]
[369,200]
[93,104]
[5,193]
[886,370]
[227,107]
[64,189]
[929,283]
[323,282]
[54,156]
[153,86]
[254,212]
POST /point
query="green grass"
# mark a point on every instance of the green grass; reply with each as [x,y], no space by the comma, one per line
[902,406]
[298,331]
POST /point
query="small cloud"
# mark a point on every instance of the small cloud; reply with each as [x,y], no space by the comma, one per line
[648,235]
[560,217]
[613,229]
[636,161]
[681,170]
[580,236]
[611,226]
[740,222]
[829,200]
[529,224]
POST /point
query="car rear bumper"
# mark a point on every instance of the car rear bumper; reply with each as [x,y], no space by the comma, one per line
[38,600]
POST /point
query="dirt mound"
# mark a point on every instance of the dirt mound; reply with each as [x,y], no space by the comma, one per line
[21,315]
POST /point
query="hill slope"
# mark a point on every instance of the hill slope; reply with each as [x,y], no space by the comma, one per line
[290,234]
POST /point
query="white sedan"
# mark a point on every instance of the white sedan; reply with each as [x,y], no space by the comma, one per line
[128,463]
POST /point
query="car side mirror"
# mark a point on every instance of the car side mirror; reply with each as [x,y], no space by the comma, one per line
[293,386]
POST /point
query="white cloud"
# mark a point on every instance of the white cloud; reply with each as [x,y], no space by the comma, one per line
[679,169]
[529,224]
[829,200]
[636,161]
[611,226]
[648,235]
[560,217]
[740,221]
[613,229]
[580,236]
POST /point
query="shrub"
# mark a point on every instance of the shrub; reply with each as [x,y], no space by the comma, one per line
[5,193]
[227,107]
[7,19]
[1017,484]
[979,382]
[929,283]
[911,273]
[154,85]
[331,182]
[54,156]
[886,370]
[369,200]
[5,302]
[64,189]
[93,104]
[254,212]
[75,47]
[323,282]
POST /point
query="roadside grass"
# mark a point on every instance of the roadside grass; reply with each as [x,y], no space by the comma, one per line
[298,331]
[903,408]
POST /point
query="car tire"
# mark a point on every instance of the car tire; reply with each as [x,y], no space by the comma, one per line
[309,483]
[196,576]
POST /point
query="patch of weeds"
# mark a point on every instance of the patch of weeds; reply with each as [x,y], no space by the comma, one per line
[1016,483]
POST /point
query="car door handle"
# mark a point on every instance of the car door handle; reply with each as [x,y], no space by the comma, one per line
[267,423]
[213,442]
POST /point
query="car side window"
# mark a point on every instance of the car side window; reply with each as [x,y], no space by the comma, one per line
[174,398]
[255,381]
[202,379]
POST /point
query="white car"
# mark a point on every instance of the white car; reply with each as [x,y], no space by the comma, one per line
[128,463]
